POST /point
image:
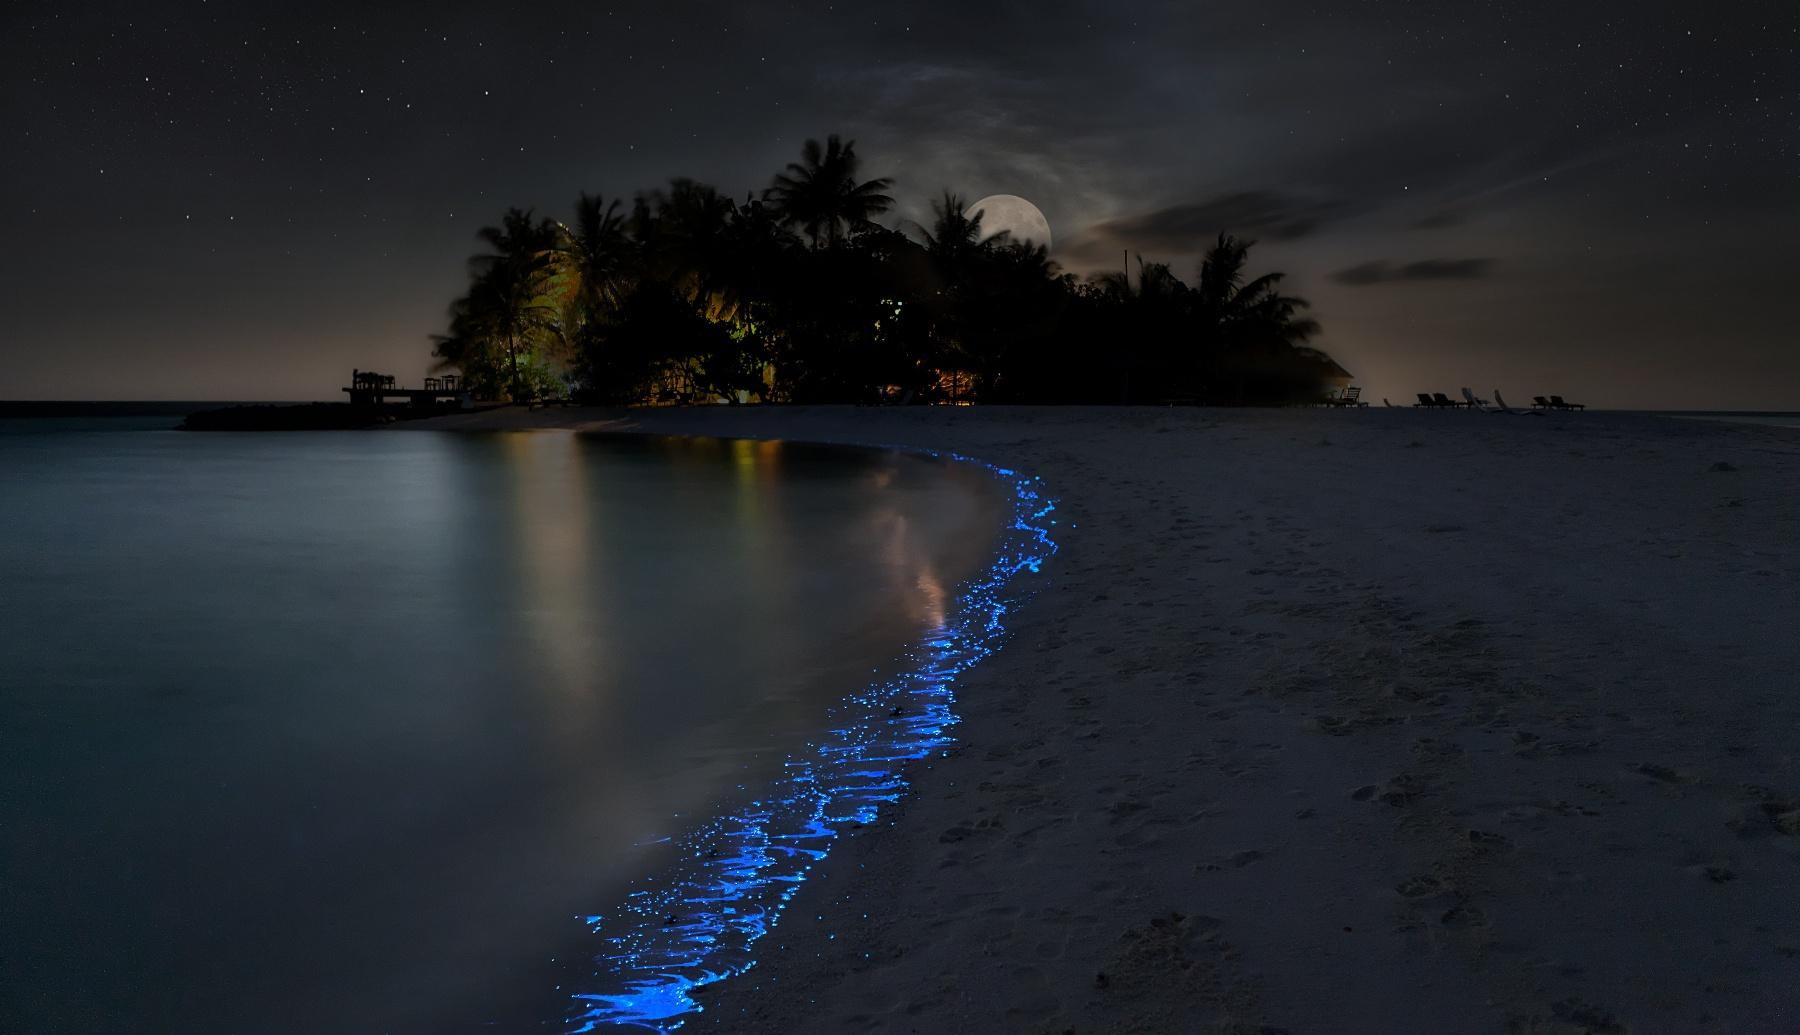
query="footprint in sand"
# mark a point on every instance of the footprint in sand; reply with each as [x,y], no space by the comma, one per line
[1235,861]
[1660,773]
[1591,1019]
[1463,917]
[1420,886]
[1484,841]
[1785,816]
[1127,807]
[1401,790]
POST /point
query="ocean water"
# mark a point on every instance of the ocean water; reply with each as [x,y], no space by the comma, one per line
[356,731]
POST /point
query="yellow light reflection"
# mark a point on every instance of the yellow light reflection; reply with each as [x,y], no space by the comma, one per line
[552,522]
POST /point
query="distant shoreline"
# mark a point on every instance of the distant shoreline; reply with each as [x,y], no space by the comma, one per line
[28,409]
[46,409]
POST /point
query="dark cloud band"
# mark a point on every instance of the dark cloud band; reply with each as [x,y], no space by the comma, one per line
[1382,272]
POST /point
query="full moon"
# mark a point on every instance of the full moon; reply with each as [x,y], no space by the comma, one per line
[1019,218]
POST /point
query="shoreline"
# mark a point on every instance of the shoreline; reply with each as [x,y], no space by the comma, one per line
[1335,722]
[701,922]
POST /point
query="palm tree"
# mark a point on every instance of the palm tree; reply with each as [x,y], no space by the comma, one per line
[746,261]
[955,239]
[595,255]
[692,220]
[1149,317]
[820,193]
[1240,315]
[1156,284]
[510,304]
[1250,333]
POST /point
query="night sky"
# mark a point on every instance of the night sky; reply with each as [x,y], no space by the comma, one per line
[221,200]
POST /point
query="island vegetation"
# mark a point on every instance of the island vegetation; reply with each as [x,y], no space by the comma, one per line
[799,295]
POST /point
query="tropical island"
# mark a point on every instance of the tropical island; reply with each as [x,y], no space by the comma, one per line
[798,295]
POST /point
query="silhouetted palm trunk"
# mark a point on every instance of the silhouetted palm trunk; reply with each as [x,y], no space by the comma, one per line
[512,362]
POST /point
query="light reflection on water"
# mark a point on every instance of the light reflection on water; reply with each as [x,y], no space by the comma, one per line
[327,732]
[699,922]
[557,577]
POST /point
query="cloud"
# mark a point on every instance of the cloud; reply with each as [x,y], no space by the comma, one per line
[1188,227]
[1383,272]
[1251,213]
[1441,220]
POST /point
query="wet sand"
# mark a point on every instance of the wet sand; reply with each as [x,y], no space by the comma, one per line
[1324,721]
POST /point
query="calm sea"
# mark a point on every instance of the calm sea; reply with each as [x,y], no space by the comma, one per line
[346,731]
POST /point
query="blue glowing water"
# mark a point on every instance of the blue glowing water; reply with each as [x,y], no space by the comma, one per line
[700,923]
[327,732]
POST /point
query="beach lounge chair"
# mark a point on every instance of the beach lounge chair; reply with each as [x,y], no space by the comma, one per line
[1557,403]
[1473,402]
[1501,407]
[1538,402]
[1424,400]
[1440,399]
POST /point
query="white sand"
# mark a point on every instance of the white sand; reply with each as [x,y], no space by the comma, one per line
[1383,721]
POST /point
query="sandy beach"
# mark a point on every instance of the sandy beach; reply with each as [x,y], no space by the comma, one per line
[1377,721]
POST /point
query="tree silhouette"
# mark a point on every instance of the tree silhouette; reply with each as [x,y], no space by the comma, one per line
[954,240]
[1240,314]
[821,196]
[595,255]
[1247,328]
[510,310]
[693,297]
